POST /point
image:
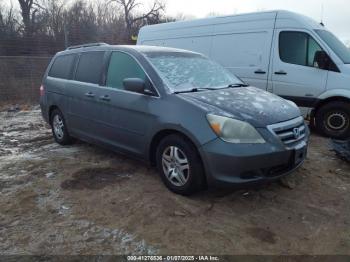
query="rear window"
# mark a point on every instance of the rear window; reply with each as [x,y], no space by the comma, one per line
[90,67]
[61,67]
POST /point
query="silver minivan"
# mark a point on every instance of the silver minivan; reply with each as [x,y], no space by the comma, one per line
[176,109]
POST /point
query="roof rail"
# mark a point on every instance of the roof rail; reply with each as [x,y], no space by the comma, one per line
[85,45]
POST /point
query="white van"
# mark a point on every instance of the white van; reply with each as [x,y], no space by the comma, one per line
[283,52]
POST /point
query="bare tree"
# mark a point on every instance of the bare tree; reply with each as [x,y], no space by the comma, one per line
[54,10]
[8,21]
[9,30]
[43,27]
[131,17]
[81,23]
[28,12]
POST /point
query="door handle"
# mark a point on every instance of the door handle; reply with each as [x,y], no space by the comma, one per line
[260,72]
[281,72]
[89,94]
[105,98]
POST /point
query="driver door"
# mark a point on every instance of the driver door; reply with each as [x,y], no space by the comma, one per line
[295,75]
[125,115]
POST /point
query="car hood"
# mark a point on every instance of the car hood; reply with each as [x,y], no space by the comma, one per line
[250,104]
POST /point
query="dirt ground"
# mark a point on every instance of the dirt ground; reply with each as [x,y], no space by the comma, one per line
[82,199]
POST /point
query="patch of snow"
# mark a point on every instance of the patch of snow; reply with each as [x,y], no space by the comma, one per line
[49,175]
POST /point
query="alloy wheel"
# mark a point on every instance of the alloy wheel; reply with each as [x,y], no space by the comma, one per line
[175,165]
[58,126]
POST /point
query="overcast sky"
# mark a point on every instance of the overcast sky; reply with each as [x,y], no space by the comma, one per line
[336,14]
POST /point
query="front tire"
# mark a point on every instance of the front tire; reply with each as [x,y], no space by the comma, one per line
[333,120]
[179,165]
[59,128]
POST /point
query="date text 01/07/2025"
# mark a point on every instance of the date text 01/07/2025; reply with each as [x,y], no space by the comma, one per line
[173,258]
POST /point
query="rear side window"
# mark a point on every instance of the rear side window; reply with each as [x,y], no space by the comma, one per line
[62,66]
[90,67]
[298,48]
[123,66]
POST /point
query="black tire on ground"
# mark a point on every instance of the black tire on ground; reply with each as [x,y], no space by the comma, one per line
[193,178]
[59,128]
[333,120]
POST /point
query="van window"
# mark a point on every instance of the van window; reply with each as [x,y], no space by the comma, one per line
[313,47]
[123,66]
[298,48]
[336,45]
[61,67]
[90,67]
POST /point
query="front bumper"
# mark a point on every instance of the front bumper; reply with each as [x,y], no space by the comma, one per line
[227,163]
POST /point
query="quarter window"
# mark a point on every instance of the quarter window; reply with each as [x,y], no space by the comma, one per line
[90,67]
[298,48]
[123,66]
[61,67]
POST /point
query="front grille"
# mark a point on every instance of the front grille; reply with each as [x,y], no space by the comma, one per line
[290,132]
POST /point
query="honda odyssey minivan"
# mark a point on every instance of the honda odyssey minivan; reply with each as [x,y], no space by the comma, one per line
[176,109]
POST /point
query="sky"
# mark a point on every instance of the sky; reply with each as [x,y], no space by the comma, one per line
[336,13]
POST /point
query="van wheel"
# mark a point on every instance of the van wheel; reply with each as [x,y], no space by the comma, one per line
[333,120]
[179,165]
[59,129]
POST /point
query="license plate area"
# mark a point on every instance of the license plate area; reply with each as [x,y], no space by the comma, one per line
[300,155]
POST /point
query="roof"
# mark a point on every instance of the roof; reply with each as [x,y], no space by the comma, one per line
[280,14]
[106,47]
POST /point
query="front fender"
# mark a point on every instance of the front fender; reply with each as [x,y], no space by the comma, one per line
[197,140]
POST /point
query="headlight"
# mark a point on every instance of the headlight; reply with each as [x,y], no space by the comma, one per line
[234,131]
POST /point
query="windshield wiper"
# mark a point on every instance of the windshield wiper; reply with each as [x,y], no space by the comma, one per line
[195,89]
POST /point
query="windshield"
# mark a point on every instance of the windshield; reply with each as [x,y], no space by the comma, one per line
[186,71]
[336,45]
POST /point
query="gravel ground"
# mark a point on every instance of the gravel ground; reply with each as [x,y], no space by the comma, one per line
[82,199]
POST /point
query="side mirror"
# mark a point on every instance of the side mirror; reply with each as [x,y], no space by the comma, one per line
[321,60]
[134,85]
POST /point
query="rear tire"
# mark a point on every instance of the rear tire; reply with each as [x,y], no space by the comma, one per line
[59,128]
[179,165]
[333,120]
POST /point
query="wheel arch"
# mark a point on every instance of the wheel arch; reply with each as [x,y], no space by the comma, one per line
[317,122]
[51,109]
[157,138]
[329,100]
[161,134]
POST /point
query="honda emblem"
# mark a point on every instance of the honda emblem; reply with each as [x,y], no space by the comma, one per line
[296,132]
